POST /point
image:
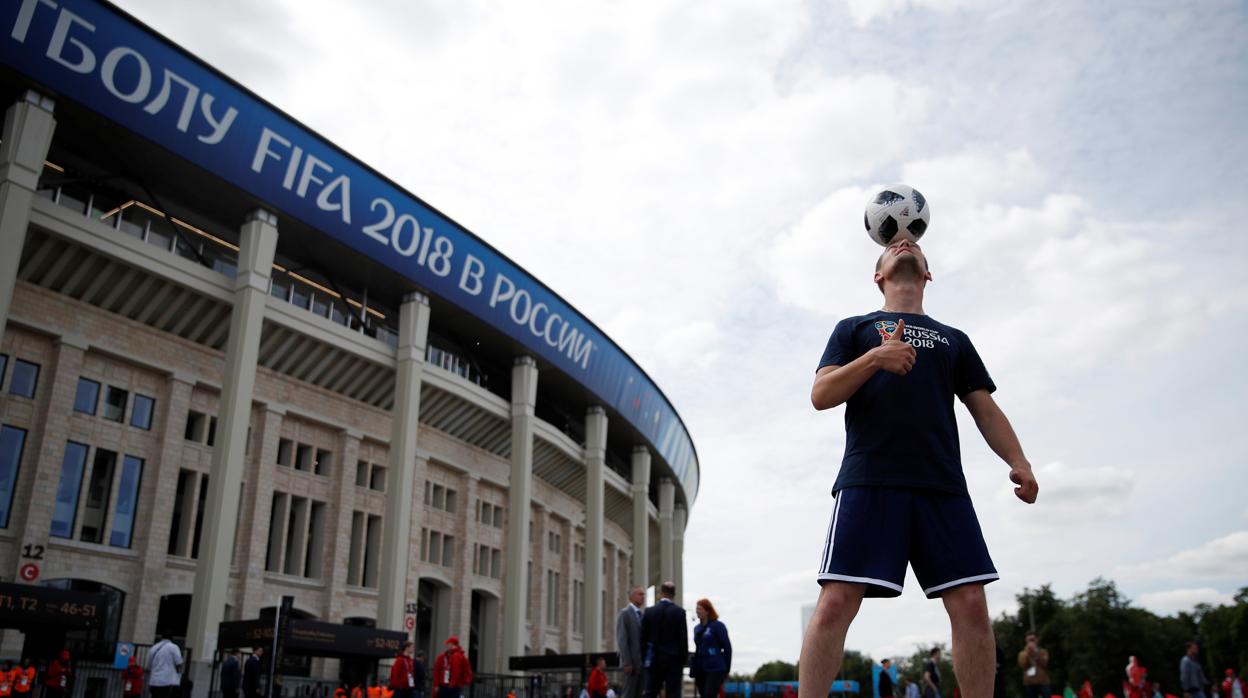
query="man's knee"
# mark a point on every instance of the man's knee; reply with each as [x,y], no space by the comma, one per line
[967,604]
[838,602]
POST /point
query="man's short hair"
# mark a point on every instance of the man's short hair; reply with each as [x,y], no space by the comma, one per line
[1030,634]
[668,589]
[933,652]
[1190,644]
[886,662]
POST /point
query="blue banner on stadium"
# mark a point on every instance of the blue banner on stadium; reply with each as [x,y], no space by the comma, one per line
[94,54]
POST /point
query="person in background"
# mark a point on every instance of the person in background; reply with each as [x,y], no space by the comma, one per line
[712,658]
[60,673]
[665,635]
[420,671]
[251,673]
[1232,686]
[912,688]
[598,679]
[1034,661]
[6,680]
[403,672]
[23,678]
[451,671]
[886,679]
[931,674]
[232,675]
[163,660]
[1191,675]
[628,642]
[132,679]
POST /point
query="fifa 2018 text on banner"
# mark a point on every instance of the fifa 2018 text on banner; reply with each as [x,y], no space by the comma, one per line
[94,54]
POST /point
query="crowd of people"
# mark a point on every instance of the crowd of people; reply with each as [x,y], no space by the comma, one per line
[1033,661]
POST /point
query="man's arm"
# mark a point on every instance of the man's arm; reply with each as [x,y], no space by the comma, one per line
[1001,439]
[622,644]
[835,384]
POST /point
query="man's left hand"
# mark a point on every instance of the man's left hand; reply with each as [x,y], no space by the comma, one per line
[1021,475]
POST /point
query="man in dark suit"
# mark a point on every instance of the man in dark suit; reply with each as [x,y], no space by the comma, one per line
[665,642]
[251,673]
[628,642]
[231,675]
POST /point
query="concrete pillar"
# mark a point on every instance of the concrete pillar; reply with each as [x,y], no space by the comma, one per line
[259,536]
[520,497]
[257,243]
[28,127]
[595,482]
[401,475]
[679,519]
[641,517]
[667,502]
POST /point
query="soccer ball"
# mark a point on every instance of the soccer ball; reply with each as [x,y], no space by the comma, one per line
[897,209]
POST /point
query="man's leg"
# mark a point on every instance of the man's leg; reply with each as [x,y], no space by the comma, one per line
[974,647]
[824,643]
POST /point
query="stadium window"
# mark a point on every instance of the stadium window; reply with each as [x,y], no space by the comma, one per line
[303,458]
[212,431]
[324,460]
[450,501]
[4,365]
[361,474]
[195,422]
[141,413]
[378,479]
[87,397]
[448,551]
[65,508]
[284,449]
[115,404]
[99,489]
[12,442]
[127,502]
[25,378]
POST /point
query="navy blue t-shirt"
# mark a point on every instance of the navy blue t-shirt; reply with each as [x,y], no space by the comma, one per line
[900,430]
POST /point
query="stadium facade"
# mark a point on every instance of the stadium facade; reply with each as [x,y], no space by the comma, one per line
[239,364]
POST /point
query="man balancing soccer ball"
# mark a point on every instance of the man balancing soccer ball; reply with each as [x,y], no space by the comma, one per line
[901,495]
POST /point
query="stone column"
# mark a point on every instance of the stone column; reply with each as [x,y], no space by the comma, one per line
[258,241]
[401,475]
[641,516]
[520,497]
[667,501]
[28,127]
[595,481]
[679,519]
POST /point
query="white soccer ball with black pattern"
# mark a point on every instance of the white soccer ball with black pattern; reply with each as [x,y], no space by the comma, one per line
[897,209]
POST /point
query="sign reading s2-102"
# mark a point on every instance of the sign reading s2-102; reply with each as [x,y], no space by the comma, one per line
[96,55]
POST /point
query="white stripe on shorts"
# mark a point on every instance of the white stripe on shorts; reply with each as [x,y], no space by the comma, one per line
[964,580]
[827,546]
[829,577]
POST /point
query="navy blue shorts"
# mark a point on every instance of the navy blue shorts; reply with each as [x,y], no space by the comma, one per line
[875,531]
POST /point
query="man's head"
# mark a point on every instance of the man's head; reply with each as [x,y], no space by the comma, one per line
[1032,640]
[637,597]
[886,663]
[934,654]
[452,642]
[408,648]
[1192,648]
[420,655]
[902,261]
[601,663]
[258,651]
[667,590]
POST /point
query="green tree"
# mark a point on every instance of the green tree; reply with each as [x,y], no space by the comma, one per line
[776,671]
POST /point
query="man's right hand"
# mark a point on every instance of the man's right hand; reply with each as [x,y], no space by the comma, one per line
[893,354]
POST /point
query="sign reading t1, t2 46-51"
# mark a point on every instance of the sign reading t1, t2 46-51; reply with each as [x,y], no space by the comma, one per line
[91,52]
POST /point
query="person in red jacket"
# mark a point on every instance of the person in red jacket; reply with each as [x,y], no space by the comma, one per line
[598,679]
[132,680]
[56,681]
[451,671]
[403,672]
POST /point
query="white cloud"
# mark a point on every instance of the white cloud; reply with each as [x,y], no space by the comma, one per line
[1175,600]
[1074,495]
[1224,558]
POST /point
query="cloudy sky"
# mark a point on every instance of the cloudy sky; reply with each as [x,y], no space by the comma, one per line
[691,175]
